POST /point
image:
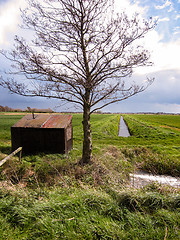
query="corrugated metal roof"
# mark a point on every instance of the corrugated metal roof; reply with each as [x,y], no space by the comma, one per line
[44,121]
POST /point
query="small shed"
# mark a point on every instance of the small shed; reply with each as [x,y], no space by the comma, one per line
[43,133]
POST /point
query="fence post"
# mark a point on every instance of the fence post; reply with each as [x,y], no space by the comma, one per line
[11,155]
[20,154]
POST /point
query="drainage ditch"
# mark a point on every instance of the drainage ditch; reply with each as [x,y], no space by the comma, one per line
[123,128]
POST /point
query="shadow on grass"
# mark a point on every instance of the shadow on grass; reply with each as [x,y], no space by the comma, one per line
[5,149]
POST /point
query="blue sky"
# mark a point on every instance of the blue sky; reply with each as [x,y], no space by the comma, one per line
[168,13]
[163,43]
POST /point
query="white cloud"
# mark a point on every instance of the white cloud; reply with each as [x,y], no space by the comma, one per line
[176,33]
[166,19]
[165,55]
[129,7]
[166,4]
[171,8]
[176,30]
[9,19]
[168,108]
[177,17]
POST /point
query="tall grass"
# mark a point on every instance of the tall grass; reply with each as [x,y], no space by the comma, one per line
[89,214]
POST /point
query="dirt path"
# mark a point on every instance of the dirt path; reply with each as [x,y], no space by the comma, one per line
[173,128]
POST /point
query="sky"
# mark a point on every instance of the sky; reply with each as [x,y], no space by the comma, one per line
[163,43]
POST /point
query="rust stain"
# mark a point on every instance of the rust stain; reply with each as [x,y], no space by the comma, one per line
[56,121]
[44,121]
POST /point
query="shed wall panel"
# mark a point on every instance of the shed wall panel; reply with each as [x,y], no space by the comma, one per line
[38,140]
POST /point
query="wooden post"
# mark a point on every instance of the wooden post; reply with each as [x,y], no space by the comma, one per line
[11,155]
[20,155]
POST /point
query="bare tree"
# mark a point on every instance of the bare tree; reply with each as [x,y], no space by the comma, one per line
[81,53]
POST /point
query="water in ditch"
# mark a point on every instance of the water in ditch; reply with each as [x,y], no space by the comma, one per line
[123,129]
[140,179]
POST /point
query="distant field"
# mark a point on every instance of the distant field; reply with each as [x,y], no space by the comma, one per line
[160,120]
[153,125]
[6,121]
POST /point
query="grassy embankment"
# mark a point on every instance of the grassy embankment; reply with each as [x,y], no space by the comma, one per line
[53,197]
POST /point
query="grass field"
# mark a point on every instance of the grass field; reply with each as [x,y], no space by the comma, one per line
[51,196]
[161,120]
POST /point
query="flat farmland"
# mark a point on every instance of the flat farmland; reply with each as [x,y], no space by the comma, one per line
[53,196]
[158,134]
[154,126]
[160,120]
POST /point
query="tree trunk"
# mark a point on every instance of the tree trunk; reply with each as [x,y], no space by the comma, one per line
[87,143]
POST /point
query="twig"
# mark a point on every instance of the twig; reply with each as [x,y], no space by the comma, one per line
[56,220]
[58,173]
[37,182]
[165,232]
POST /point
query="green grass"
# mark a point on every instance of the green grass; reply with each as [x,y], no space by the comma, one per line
[51,196]
[88,214]
[159,120]
[6,121]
